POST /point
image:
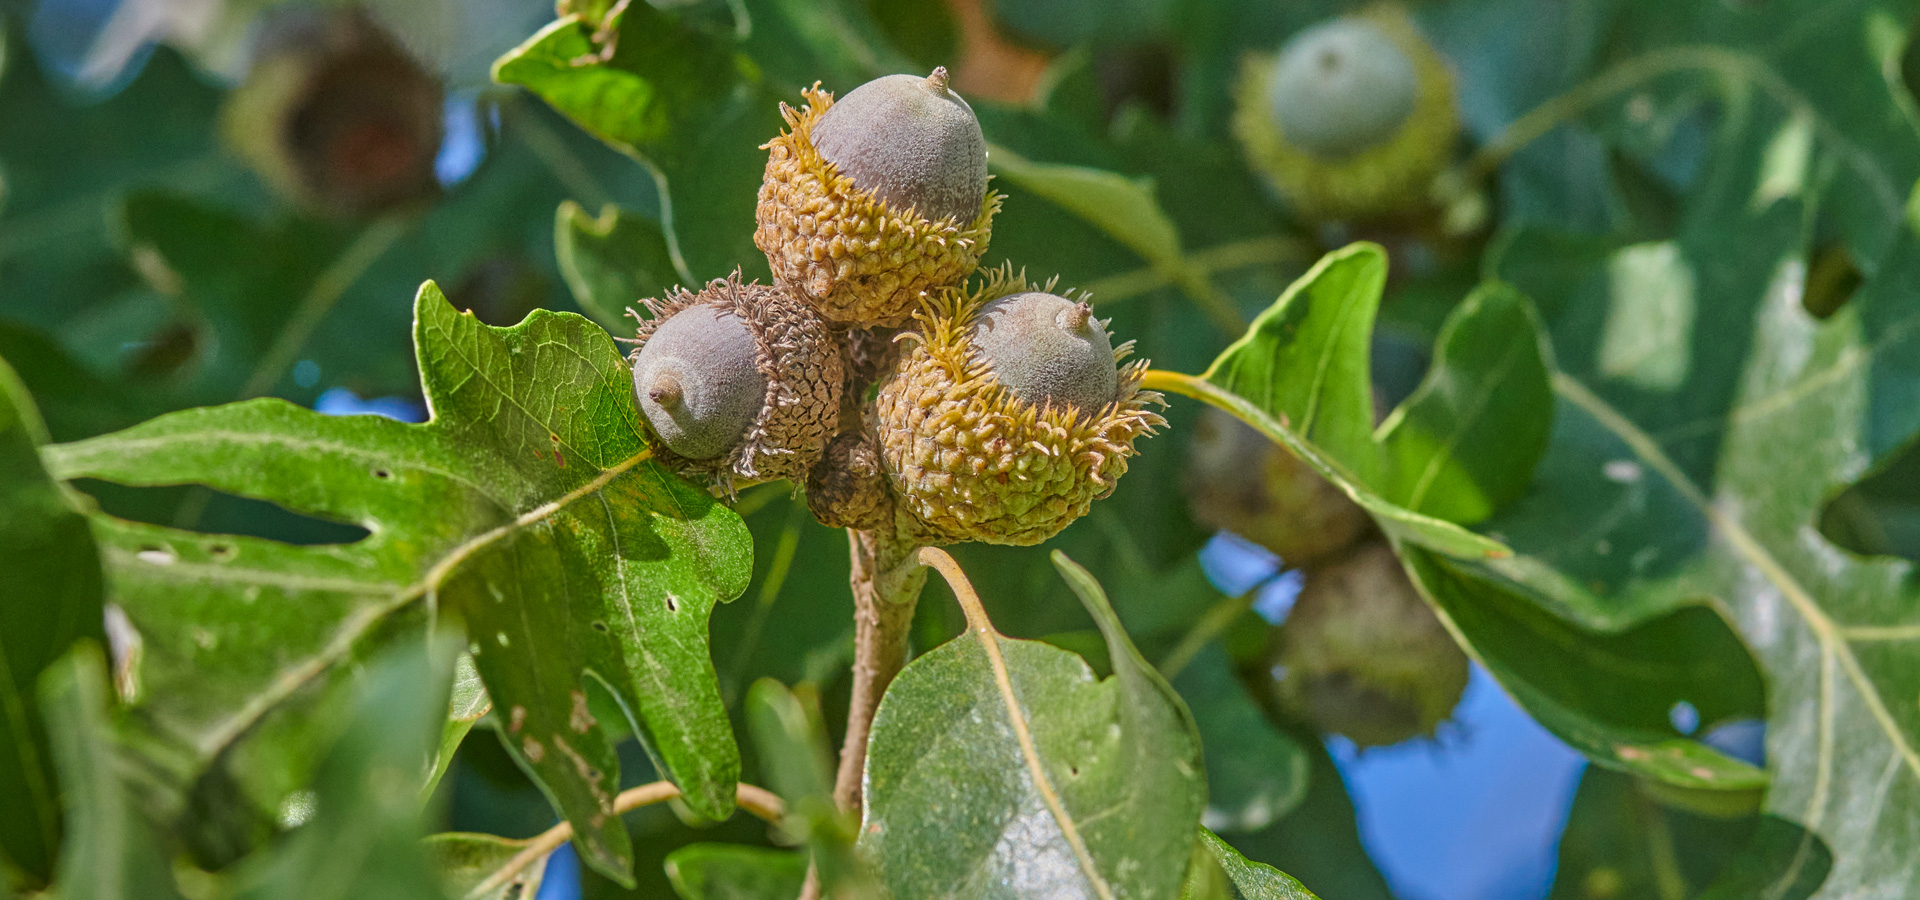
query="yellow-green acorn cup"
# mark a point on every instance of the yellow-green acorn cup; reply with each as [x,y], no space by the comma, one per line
[872,203]
[1008,414]
[1352,119]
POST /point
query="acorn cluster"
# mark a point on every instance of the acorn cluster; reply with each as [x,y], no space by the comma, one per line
[902,392]
[1361,654]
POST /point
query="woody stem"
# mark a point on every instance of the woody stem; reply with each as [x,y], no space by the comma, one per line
[886,584]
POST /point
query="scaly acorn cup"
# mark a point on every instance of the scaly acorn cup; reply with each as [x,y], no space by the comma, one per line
[1007,414]
[738,381]
[1362,655]
[1240,481]
[336,116]
[1352,118]
[874,202]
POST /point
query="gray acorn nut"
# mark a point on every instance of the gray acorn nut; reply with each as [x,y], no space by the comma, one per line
[1341,87]
[1048,351]
[739,381]
[911,142]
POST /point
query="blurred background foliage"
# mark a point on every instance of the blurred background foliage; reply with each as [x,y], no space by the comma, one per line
[162,247]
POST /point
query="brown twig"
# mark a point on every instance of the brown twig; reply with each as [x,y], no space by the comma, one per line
[886,585]
[756,800]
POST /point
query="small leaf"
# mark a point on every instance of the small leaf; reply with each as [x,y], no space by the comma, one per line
[679,98]
[464,860]
[50,597]
[791,738]
[1122,207]
[364,837]
[1255,772]
[736,872]
[1101,798]
[468,704]
[110,853]
[1254,881]
[612,262]
[529,506]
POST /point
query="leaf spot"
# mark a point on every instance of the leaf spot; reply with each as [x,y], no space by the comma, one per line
[533,749]
[382,474]
[516,719]
[600,626]
[220,550]
[157,555]
[581,720]
[502,638]
[672,604]
[1622,471]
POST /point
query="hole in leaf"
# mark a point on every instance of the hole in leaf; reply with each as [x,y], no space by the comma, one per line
[382,474]
[600,627]
[208,511]
[220,549]
[672,605]
[1879,515]
[1832,280]
[1684,717]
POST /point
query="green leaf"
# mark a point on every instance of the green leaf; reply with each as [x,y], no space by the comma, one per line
[364,835]
[464,860]
[1621,842]
[791,738]
[676,96]
[1710,491]
[529,507]
[1609,694]
[1300,376]
[1255,773]
[736,872]
[611,262]
[110,853]
[1122,207]
[50,597]
[467,705]
[1466,442]
[1011,771]
[1254,881]
[1463,443]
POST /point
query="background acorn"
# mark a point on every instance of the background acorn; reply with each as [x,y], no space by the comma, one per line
[1362,654]
[971,457]
[337,116]
[1352,118]
[872,202]
[739,381]
[1240,481]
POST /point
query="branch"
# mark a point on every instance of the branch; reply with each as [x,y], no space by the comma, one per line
[756,800]
[886,583]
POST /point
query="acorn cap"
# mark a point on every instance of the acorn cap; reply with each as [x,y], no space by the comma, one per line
[796,354]
[1362,654]
[968,460]
[861,259]
[1239,480]
[337,116]
[1352,118]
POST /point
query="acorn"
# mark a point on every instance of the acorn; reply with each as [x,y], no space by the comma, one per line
[738,381]
[847,487]
[1362,654]
[1353,117]
[876,201]
[336,116]
[1008,414]
[1238,480]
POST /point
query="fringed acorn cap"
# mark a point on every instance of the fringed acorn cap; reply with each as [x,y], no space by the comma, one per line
[968,460]
[1352,118]
[848,487]
[866,255]
[714,416]
[1364,656]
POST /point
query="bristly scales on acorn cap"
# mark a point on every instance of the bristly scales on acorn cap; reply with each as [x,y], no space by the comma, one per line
[969,459]
[874,202]
[738,381]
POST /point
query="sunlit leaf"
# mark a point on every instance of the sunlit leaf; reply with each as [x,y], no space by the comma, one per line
[528,506]
[1077,786]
